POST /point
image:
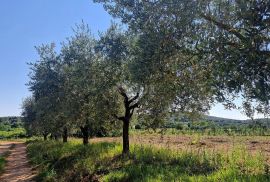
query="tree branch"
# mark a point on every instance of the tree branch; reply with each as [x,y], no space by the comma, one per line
[134,98]
[224,26]
[132,111]
[119,118]
[123,92]
[134,106]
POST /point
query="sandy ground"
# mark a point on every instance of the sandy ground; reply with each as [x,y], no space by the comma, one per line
[17,168]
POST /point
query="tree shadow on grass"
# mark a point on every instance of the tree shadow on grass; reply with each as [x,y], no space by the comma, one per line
[103,161]
[146,167]
[64,161]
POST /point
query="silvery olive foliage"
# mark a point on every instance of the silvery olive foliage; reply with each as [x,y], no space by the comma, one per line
[230,39]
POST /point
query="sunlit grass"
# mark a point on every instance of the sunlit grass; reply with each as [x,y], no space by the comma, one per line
[13,133]
[103,161]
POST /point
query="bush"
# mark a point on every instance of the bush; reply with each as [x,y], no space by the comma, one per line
[179,126]
[138,127]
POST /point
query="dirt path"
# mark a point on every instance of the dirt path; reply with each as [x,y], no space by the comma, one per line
[17,168]
[4,147]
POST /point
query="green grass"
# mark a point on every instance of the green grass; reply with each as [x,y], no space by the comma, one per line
[13,133]
[102,161]
[2,164]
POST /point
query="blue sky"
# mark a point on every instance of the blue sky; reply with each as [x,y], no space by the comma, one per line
[28,23]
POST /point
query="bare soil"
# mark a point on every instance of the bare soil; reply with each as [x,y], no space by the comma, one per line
[4,147]
[17,168]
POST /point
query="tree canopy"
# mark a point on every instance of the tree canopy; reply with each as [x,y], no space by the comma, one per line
[229,37]
[170,56]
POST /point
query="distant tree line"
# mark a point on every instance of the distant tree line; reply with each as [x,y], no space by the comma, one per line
[213,128]
[6,123]
[170,56]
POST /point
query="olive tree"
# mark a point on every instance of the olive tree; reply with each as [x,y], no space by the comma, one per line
[89,99]
[157,69]
[29,116]
[45,86]
[229,39]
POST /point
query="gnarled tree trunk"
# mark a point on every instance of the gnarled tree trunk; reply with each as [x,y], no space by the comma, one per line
[65,135]
[129,110]
[125,137]
[55,136]
[85,134]
[45,135]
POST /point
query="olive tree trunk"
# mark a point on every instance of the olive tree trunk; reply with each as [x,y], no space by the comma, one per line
[126,137]
[129,110]
[85,134]
[45,136]
[65,135]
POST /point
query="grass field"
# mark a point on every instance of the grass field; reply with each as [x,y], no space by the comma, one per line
[12,133]
[154,158]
